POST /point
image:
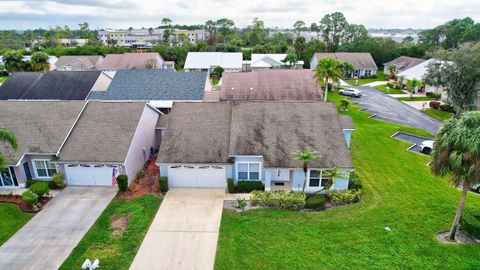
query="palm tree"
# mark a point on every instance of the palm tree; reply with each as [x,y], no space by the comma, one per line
[332,174]
[392,69]
[305,156]
[6,135]
[412,84]
[348,69]
[456,153]
[328,69]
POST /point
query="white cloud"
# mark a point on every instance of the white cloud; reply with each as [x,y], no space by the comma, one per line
[148,13]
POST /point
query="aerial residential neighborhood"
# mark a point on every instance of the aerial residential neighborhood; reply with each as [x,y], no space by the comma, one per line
[239,135]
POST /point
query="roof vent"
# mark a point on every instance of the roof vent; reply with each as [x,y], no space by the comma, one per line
[251,88]
[233,88]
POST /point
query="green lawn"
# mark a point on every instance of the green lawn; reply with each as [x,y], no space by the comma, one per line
[390,91]
[380,77]
[115,252]
[3,78]
[398,191]
[415,98]
[438,114]
[11,220]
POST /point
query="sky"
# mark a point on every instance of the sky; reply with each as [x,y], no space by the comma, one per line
[417,14]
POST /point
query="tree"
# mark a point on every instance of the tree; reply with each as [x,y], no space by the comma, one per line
[13,61]
[7,136]
[305,156]
[85,31]
[333,27]
[290,59]
[39,62]
[299,45]
[218,71]
[355,33]
[256,34]
[328,69]
[298,27]
[211,29]
[348,69]
[412,85]
[225,27]
[458,72]
[408,40]
[314,27]
[168,31]
[456,154]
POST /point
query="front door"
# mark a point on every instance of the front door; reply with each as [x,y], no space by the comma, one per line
[26,168]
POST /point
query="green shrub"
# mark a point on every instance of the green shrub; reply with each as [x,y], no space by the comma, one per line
[447,108]
[40,188]
[163,183]
[436,96]
[140,174]
[354,182]
[315,202]
[394,85]
[470,221]
[122,181]
[230,185]
[29,197]
[57,181]
[241,203]
[247,186]
[434,104]
[343,196]
[279,199]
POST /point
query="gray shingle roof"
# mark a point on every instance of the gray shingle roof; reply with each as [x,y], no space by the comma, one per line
[404,62]
[211,132]
[40,126]
[359,60]
[103,132]
[153,84]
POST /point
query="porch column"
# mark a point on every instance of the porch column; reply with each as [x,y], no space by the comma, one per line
[268,180]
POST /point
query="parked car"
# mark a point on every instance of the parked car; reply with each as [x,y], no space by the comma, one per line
[426,147]
[476,188]
[350,92]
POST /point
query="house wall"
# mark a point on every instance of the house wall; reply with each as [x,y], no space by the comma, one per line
[298,178]
[143,139]
[313,62]
[20,172]
[102,83]
[239,159]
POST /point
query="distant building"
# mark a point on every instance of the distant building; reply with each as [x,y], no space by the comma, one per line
[78,62]
[208,61]
[271,61]
[402,63]
[133,61]
[362,62]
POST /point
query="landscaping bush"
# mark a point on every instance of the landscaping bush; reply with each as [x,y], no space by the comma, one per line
[354,182]
[122,181]
[29,197]
[241,203]
[470,221]
[140,174]
[163,183]
[279,199]
[434,104]
[247,186]
[447,108]
[436,96]
[343,196]
[230,185]
[316,201]
[40,188]
[57,181]
[394,85]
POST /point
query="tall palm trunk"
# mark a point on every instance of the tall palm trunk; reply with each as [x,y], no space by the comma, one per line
[326,88]
[305,170]
[461,203]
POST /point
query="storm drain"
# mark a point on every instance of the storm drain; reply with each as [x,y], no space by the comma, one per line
[414,139]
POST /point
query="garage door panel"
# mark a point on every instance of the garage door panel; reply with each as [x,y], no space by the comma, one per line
[89,176]
[203,176]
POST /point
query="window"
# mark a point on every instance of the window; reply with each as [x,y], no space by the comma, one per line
[248,171]
[44,168]
[314,180]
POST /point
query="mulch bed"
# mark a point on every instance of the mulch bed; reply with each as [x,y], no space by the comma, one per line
[17,199]
[146,185]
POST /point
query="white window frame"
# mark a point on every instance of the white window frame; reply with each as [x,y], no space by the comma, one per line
[46,167]
[320,178]
[248,170]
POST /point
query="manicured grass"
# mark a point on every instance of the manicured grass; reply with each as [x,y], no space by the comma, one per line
[380,77]
[438,114]
[390,91]
[415,99]
[316,201]
[115,252]
[398,191]
[3,78]
[11,220]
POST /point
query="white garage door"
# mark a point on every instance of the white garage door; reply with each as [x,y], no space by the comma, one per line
[88,175]
[203,176]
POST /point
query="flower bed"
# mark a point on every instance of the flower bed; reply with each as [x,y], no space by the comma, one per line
[25,207]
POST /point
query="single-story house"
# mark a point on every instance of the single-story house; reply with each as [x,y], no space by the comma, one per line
[271,85]
[208,61]
[159,87]
[402,63]
[418,72]
[271,61]
[53,85]
[78,62]
[90,143]
[362,62]
[207,143]
[133,61]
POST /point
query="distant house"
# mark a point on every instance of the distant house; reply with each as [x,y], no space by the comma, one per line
[132,61]
[271,61]
[53,85]
[271,85]
[402,63]
[158,87]
[362,62]
[78,62]
[418,72]
[207,143]
[207,61]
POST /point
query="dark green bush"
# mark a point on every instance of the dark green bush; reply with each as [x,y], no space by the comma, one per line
[343,196]
[57,181]
[122,181]
[279,199]
[394,85]
[40,188]
[447,108]
[354,182]
[470,221]
[436,96]
[247,186]
[29,197]
[163,183]
[231,185]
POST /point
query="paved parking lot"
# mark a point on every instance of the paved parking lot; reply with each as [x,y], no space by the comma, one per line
[414,139]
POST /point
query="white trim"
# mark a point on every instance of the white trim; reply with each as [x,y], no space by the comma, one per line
[248,170]
[31,154]
[32,161]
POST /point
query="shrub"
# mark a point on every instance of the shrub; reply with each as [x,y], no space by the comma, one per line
[470,221]
[354,182]
[140,174]
[122,181]
[316,201]
[230,185]
[247,186]
[241,203]
[29,197]
[394,85]
[434,104]
[436,96]
[40,188]
[57,181]
[279,199]
[343,196]
[344,104]
[163,183]
[447,108]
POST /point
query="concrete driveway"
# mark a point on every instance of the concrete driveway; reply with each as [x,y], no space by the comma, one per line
[49,237]
[184,233]
[389,109]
